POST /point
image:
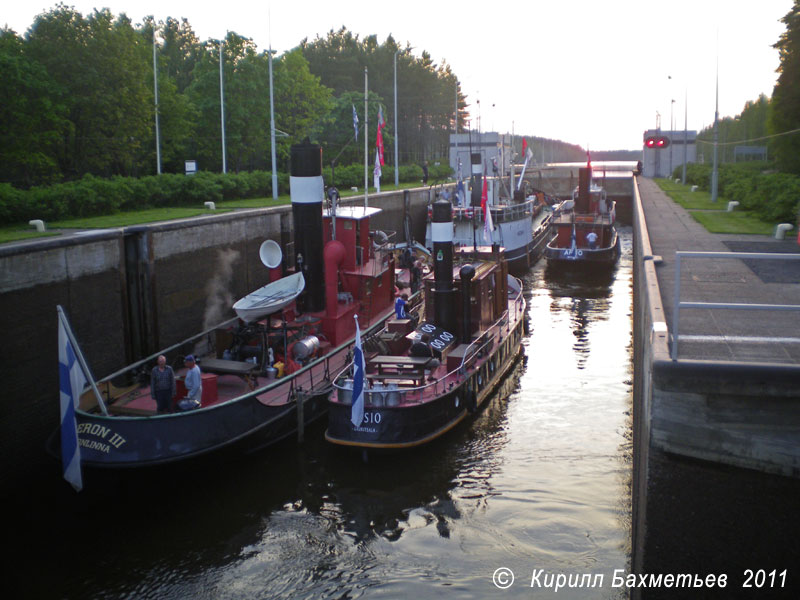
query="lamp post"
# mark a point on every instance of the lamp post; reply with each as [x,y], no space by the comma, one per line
[155,86]
[222,105]
[685,133]
[396,162]
[671,129]
[714,169]
[272,129]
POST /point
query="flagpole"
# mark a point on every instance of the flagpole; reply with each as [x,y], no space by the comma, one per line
[455,129]
[272,116]
[81,360]
[366,143]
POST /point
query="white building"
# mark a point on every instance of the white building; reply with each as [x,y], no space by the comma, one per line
[490,145]
[664,151]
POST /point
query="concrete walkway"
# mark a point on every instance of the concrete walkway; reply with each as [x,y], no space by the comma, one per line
[764,336]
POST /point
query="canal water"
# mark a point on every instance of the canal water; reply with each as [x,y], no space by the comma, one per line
[537,485]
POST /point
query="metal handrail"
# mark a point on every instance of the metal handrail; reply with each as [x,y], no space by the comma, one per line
[722,305]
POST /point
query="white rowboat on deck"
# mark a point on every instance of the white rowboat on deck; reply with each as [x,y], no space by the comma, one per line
[270,298]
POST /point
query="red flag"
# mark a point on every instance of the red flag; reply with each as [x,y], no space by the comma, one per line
[379,139]
[524,146]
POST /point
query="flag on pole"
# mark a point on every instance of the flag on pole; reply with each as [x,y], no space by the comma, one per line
[71,381]
[376,174]
[355,121]
[528,155]
[488,226]
[461,193]
[379,136]
[357,411]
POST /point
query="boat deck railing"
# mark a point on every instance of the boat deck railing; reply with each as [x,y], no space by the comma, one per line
[399,394]
[500,214]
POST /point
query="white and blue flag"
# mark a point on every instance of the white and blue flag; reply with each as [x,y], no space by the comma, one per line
[461,193]
[355,121]
[71,380]
[357,411]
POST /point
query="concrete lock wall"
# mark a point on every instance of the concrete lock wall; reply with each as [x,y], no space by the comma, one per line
[734,413]
[650,341]
[127,293]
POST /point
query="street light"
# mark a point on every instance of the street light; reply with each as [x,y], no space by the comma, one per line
[671,129]
[396,163]
[272,128]
[685,132]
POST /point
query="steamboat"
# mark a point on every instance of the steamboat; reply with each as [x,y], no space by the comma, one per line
[265,373]
[419,377]
[584,227]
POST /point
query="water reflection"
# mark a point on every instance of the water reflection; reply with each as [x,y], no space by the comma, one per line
[583,292]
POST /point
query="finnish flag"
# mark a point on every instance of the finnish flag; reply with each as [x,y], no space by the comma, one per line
[357,411]
[71,381]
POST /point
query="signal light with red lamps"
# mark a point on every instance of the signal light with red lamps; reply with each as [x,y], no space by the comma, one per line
[656,142]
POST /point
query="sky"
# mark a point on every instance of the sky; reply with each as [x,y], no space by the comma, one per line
[588,72]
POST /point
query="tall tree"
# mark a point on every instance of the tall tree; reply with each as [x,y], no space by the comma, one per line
[100,63]
[426,91]
[785,106]
[31,116]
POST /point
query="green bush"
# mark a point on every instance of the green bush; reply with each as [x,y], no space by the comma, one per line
[95,196]
[773,197]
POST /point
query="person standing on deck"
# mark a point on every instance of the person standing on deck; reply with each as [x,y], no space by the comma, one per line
[194,385]
[162,385]
[400,307]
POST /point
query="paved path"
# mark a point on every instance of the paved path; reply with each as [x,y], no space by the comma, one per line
[724,335]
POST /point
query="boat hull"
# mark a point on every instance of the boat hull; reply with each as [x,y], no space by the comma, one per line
[568,256]
[244,424]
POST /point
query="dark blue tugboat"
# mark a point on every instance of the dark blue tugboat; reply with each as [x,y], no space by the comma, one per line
[472,324]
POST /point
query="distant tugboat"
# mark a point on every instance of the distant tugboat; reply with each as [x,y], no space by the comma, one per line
[519,224]
[411,384]
[584,227]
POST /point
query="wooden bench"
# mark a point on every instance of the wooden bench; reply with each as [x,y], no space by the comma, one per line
[390,367]
[413,377]
[413,363]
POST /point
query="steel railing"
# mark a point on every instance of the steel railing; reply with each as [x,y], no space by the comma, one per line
[722,305]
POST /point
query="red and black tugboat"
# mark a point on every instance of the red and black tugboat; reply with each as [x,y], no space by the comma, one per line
[417,379]
[584,227]
[262,374]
